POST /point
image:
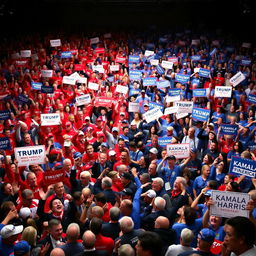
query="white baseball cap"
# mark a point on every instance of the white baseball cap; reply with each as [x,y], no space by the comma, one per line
[153,151]
[10,230]
[24,212]
[151,193]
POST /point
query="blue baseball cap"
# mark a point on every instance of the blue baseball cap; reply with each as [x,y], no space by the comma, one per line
[105,144]
[77,155]
[208,193]
[21,248]
[207,235]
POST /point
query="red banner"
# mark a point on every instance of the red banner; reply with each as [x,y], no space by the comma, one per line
[21,63]
[79,67]
[216,247]
[103,102]
[52,177]
[120,59]
[74,51]
[99,50]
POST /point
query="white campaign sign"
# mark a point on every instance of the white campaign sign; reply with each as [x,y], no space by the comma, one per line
[98,68]
[50,119]
[184,106]
[172,98]
[167,64]
[223,91]
[148,53]
[82,80]
[30,155]
[170,110]
[237,78]
[152,114]
[229,204]
[25,53]
[178,150]
[46,73]
[181,115]
[114,68]
[94,40]
[154,62]
[75,75]
[69,80]
[121,89]
[55,43]
[83,99]
[134,107]
[246,45]
[93,86]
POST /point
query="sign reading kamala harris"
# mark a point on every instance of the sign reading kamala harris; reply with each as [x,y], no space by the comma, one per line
[196,57]
[166,64]
[66,54]
[229,204]
[134,59]
[184,106]
[242,166]
[245,62]
[178,150]
[201,114]
[199,92]
[237,78]
[251,98]
[204,72]
[30,155]
[223,91]
[156,105]
[5,143]
[149,81]
[163,84]
[229,129]
[135,74]
[181,78]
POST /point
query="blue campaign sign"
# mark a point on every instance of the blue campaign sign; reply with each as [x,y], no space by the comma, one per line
[163,84]
[134,92]
[201,114]
[134,59]
[174,92]
[242,166]
[4,115]
[135,74]
[151,57]
[181,78]
[149,81]
[23,98]
[196,57]
[163,141]
[5,143]
[229,129]
[213,52]
[251,98]
[47,89]
[203,72]
[159,70]
[36,85]
[155,105]
[66,54]
[199,92]
[245,62]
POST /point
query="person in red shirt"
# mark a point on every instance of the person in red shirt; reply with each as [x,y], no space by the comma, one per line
[226,143]
[68,132]
[124,160]
[90,157]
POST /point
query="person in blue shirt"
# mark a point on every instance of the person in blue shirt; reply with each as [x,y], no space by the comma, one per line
[200,182]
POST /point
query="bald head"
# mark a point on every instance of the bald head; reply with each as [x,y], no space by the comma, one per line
[57,252]
[89,239]
[162,222]
[73,232]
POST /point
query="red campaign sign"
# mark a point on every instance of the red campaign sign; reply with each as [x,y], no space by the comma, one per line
[216,247]
[173,60]
[79,67]
[103,102]
[120,59]
[74,51]
[52,177]
[21,63]
[99,50]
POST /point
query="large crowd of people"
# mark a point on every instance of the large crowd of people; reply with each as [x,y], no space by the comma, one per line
[108,109]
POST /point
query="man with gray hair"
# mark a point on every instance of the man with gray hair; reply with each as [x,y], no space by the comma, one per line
[186,239]
[72,246]
[126,250]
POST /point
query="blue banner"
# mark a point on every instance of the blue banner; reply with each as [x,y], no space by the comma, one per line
[5,143]
[67,54]
[196,57]
[245,62]
[47,89]
[199,92]
[36,85]
[135,74]
[23,99]
[149,81]
[229,129]
[155,105]
[159,70]
[134,92]
[203,72]
[251,98]
[174,92]
[4,115]
[163,141]
[163,84]
[213,52]
[151,57]
[201,114]
[181,78]
[242,166]
[134,59]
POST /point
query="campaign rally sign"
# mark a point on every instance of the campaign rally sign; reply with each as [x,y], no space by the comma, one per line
[69,80]
[166,64]
[134,59]
[245,62]
[184,106]
[163,141]
[195,42]
[196,57]
[47,89]
[213,52]
[242,166]
[154,62]
[201,114]
[149,81]
[50,119]
[103,102]
[122,89]
[99,50]
[52,177]
[21,63]
[23,98]
[98,68]
[36,85]
[163,84]
[237,78]
[83,99]
[134,92]
[174,91]
[55,43]
[79,67]
[170,110]
[153,104]
[152,114]
[114,68]
[4,115]
[46,73]
[5,143]
[174,60]
[30,155]
[229,129]
[94,40]
[160,70]
[134,107]
[120,59]
[67,54]
[135,74]
[82,80]
[172,98]
[204,72]
[223,91]
[199,92]
[251,98]
[178,150]
[181,115]
[246,45]
[229,204]
[181,78]
[148,53]
[93,86]
[25,53]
